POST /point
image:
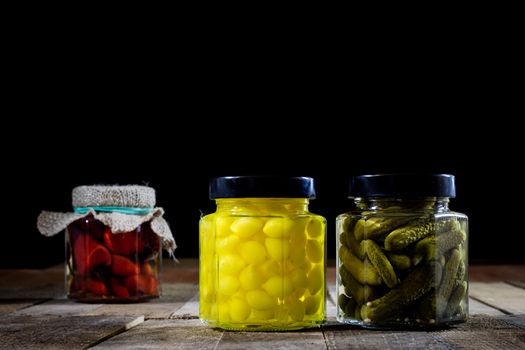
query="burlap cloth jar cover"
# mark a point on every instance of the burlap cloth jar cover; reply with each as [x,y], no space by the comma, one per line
[121,208]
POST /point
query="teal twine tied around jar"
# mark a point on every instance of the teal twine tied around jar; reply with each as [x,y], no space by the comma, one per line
[122,210]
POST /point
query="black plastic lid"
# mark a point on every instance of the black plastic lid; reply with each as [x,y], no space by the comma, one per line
[403,185]
[262,187]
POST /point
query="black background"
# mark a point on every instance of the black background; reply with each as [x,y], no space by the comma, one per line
[88,109]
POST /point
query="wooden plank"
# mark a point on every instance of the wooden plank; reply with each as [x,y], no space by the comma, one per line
[60,307]
[311,339]
[482,332]
[10,305]
[179,291]
[32,284]
[517,320]
[184,271]
[493,273]
[55,332]
[47,290]
[348,337]
[174,296]
[165,334]
[477,308]
[189,311]
[519,284]
[500,295]
[331,307]
[150,309]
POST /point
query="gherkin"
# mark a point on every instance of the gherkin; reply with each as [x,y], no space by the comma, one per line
[347,305]
[456,297]
[403,237]
[379,260]
[361,293]
[400,262]
[375,227]
[413,287]
[364,272]
[434,246]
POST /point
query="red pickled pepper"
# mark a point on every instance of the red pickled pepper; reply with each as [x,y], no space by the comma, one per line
[127,276]
[88,253]
[122,266]
[123,243]
[118,288]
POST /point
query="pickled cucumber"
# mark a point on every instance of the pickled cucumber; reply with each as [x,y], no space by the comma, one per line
[351,242]
[413,287]
[403,237]
[400,262]
[361,293]
[375,227]
[436,245]
[448,282]
[349,223]
[461,271]
[427,307]
[363,272]
[449,275]
[454,302]
[347,305]
[379,260]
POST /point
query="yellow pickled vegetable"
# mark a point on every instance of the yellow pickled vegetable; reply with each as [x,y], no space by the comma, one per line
[250,278]
[223,310]
[227,244]
[246,227]
[315,228]
[298,237]
[312,304]
[260,300]
[239,310]
[252,252]
[230,264]
[278,227]
[315,279]
[263,315]
[278,249]
[228,285]
[222,226]
[298,256]
[297,310]
[271,268]
[278,286]
[314,251]
[299,278]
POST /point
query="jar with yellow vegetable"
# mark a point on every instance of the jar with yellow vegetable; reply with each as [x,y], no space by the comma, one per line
[262,255]
[402,254]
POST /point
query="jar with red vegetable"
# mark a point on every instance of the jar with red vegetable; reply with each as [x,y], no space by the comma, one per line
[113,243]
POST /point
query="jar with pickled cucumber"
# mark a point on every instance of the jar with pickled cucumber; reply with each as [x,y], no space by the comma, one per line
[262,255]
[402,253]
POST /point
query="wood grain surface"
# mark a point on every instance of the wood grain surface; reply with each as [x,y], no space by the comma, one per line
[34,314]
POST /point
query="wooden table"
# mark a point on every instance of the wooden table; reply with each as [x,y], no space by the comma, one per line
[34,314]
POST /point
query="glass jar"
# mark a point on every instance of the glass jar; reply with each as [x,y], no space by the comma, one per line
[262,255]
[114,241]
[402,254]
[106,266]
